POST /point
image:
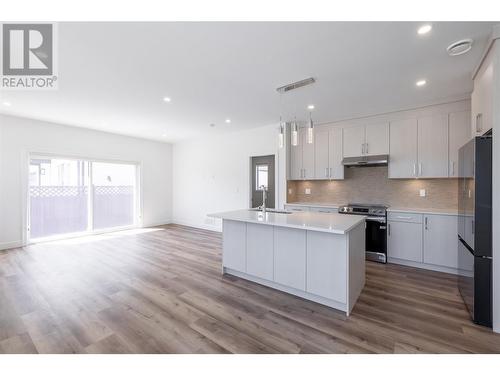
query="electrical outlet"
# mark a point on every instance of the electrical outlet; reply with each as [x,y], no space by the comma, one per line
[308,191]
[422,192]
[290,191]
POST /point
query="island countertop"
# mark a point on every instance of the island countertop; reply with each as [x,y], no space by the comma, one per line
[314,221]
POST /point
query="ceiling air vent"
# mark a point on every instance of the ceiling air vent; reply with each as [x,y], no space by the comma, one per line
[295,85]
[460,47]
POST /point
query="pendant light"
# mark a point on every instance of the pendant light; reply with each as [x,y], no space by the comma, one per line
[281,135]
[295,133]
[310,130]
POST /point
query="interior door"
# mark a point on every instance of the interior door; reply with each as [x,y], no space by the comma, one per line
[354,138]
[433,146]
[377,139]
[263,177]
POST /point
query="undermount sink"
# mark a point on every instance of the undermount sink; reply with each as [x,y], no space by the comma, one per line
[272,210]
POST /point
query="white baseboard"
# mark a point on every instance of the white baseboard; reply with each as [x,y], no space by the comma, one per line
[10,245]
[426,266]
[157,224]
[211,227]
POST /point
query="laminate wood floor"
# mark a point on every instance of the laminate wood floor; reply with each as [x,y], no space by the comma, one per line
[162,291]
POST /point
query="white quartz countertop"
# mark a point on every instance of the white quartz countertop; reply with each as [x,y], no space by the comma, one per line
[430,211]
[315,221]
[312,204]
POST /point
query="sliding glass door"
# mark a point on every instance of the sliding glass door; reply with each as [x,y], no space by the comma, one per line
[59,197]
[68,197]
[114,195]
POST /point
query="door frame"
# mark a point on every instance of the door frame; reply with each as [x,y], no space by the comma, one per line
[25,203]
[276,179]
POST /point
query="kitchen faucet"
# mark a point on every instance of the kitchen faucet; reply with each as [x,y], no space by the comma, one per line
[264,197]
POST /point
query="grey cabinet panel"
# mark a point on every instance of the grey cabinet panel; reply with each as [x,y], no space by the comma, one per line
[234,245]
[290,257]
[404,241]
[327,265]
[259,254]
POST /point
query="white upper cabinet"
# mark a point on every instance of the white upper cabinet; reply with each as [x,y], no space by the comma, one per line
[366,140]
[403,149]
[335,154]
[459,134]
[322,157]
[377,139]
[296,161]
[482,96]
[354,141]
[302,158]
[328,153]
[307,155]
[432,143]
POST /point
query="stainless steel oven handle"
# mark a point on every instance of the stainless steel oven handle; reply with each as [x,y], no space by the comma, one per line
[379,219]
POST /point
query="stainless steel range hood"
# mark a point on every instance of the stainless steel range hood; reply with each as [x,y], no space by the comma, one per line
[366,161]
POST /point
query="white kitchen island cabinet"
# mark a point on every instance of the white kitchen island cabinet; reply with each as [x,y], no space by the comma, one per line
[313,255]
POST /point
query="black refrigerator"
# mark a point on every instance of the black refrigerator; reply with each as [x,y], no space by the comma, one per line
[475,228]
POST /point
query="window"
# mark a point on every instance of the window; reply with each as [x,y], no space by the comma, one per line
[261,176]
[77,196]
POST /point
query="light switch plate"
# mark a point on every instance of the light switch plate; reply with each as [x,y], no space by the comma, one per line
[308,191]
[422,192]
[290,191]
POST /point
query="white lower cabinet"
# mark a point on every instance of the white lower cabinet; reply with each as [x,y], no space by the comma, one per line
[440,240]
[290,257]
[423,240]
[259,251]
[326,269]
[234,255]
[404,241]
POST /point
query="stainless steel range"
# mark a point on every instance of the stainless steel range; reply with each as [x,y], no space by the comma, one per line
[376,228]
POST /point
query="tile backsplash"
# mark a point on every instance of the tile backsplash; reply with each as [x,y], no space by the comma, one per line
[371,185]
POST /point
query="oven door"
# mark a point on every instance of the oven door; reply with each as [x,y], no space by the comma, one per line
[376,239]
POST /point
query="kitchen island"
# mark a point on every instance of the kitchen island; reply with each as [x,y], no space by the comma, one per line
[316,256]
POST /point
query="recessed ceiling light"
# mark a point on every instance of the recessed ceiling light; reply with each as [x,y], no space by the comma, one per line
[212,125]
[164,135]
[228,121]
[421,82]
[310,107]
[460,47]
[7,104]
[166,99]
[424,29]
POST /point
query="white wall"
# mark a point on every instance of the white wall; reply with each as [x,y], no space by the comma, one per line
[18,136]
[213,174]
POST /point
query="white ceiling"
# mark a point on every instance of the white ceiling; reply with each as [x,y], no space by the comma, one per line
[113,76]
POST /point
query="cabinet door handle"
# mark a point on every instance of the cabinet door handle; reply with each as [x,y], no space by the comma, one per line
[426,221]
[414,169]
[366,148]
[472,226]
[326,172]
[362,148]
[420,169]
[388,229]
[331,174]
[452,168]
[404,217]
